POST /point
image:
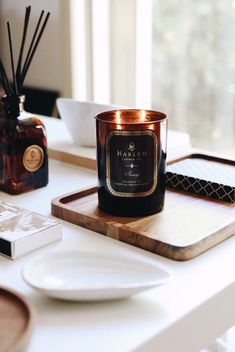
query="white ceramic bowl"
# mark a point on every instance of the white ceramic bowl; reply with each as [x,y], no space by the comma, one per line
[78,117]
[91,276]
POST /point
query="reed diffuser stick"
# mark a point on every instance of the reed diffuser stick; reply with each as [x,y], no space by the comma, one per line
[31,55]
[19,75]
[4,80]
[26,22]
[32,41]
[15,90]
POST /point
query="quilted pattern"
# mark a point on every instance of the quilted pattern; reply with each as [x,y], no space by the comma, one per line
[204,177]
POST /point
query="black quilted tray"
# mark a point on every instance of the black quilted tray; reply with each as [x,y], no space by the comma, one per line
[205,175]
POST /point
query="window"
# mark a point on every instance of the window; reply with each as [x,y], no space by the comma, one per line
[194,69]
[175,56]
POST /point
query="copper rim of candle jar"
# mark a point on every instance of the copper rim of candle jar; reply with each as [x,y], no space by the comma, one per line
[149,116]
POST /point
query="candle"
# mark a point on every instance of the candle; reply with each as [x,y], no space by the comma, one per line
[131,159]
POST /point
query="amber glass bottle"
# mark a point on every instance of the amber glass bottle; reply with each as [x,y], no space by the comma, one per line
[23,152]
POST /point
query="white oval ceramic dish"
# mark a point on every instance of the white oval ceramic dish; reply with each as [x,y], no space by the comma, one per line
[89,276]
[78,117]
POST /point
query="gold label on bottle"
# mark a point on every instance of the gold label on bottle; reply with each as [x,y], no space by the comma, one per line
[33,158]
[131,163]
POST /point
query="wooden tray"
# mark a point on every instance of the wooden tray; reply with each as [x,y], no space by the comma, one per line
[188,225]
[15,321]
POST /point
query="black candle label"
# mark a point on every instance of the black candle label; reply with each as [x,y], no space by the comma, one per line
[131,163]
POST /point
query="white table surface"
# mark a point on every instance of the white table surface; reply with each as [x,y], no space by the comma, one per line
[188,312]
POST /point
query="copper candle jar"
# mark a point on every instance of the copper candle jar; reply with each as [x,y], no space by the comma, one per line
[131,159]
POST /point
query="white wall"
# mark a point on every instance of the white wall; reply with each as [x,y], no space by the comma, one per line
[50,67]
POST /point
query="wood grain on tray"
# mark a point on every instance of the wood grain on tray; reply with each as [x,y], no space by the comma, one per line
[188,225]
